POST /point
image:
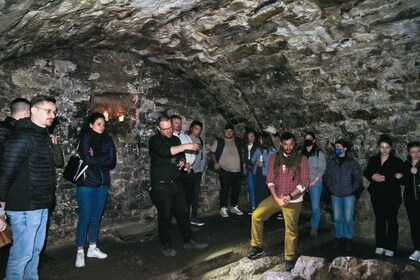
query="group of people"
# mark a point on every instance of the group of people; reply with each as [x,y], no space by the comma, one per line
[29,156]
[277,174]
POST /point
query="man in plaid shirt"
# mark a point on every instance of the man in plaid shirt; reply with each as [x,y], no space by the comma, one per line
[287,180]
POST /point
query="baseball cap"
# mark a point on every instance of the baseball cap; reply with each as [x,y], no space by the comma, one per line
[271,129]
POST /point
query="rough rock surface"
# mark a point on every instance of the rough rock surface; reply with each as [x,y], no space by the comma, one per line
[342,68]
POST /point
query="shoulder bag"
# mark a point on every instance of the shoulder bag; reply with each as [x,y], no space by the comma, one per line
[75,167]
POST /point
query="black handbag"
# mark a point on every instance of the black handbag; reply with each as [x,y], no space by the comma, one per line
[75,168]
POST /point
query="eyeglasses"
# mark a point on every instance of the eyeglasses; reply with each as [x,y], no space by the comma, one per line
[166,129]
[49,111]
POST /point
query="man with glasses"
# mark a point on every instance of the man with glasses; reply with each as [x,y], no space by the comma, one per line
[167,160]
[27,186]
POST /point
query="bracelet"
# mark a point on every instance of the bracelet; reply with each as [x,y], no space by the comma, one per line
[291,197]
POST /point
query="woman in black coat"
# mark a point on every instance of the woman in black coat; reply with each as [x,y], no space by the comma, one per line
[383,172]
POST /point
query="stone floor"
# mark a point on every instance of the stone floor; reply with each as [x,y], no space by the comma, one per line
[228,239]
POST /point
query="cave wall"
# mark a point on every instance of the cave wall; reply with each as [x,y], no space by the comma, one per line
[341,68]
[81,82]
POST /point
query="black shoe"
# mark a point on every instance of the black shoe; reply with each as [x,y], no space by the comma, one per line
[195,245]
[255,253]
[348,245]
[197,222]
[168,251]
[336,244]
[289,265]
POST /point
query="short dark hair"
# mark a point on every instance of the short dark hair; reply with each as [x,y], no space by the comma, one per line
[412,144]
[162,119]
[194,123]
[93,117]
[42,98]
[19,104]
[343,143]
[287,135]
[177,117]
[384,138]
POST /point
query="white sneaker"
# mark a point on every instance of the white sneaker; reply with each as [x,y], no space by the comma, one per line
[96,253]
[80,259]
[415,256]
[223,212]
[379,251]
[389,253]
[235,210]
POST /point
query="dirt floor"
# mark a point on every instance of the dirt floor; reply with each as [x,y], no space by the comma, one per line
[228,240]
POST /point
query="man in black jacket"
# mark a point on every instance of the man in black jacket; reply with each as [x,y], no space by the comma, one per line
[27,186]
[19,108]
[167,160]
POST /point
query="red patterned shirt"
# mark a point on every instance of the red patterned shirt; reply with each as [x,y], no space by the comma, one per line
[285,179]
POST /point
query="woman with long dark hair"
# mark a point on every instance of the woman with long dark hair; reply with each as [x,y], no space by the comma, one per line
[97,150]
[260,161]
[249,148]
[383,171]
[317,166]
[411,181]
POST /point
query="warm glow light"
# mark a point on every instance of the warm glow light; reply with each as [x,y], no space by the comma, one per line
[106,116]
[121,118]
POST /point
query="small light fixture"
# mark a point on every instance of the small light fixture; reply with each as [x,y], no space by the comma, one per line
[106,115]
[121,118]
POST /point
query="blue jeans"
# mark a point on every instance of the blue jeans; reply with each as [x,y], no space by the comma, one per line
[315,195]
[343,209]
[91,202]
[29,229]
[250,182]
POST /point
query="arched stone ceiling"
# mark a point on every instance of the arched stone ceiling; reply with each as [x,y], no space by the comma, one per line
[291,63]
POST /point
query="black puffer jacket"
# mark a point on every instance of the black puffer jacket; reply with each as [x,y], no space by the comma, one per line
[97,173]
[6,129]
[27,174]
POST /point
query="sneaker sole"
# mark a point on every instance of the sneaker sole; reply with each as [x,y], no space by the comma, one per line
[101,258]
[255,256]
[197,224]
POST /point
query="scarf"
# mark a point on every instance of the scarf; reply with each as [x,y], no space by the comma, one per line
[291,162]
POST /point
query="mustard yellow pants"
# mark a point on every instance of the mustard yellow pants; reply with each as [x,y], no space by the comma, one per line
[291,213]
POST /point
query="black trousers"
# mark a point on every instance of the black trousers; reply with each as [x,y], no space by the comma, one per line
[413,211]
[386,209]
[188,185]
[4,257]
[229,181]
[169,198]
[196,196]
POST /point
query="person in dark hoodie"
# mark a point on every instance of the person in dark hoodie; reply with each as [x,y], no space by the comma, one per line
[98,151]
[383,171]
[27,186]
